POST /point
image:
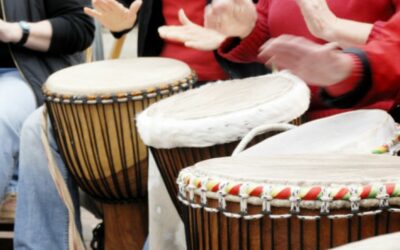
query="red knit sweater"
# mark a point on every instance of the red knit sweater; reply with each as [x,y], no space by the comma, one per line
[203,62]
[277,17]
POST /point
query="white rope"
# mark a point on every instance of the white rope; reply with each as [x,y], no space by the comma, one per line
[74,239]
[260,130]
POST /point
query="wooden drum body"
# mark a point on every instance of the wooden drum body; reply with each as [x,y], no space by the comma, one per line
[209,121]
[93,107]
[289,202]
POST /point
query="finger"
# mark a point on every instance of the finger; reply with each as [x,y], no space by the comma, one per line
[174,33]
[200,45]
[242,2]
[213,21]
[99,6]
[207,14]
[276,63]
[92,13]
[331,46]
[104,5]
[280,50]
[135,6]
[183,19]
[221,7]
[116,6]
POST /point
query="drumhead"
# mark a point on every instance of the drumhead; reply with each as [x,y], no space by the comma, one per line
[223,111]
[310,174]
[385,242]
[355,132]
[117,76]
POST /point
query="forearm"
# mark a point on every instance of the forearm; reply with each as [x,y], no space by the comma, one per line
[40,36]
[350,33]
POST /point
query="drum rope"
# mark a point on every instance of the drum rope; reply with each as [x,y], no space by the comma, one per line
[74,239]
[260,130]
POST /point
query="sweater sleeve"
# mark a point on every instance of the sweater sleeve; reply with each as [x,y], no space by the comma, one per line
[246,50]
[382,53]
[73,30]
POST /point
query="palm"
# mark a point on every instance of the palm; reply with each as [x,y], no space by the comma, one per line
[317,64]
[319,18]
[113,15]
[231,17]
[191,34]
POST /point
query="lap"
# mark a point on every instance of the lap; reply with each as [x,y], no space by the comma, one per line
[17,99]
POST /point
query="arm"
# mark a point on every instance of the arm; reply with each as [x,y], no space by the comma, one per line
[324,24]
[356,78]
[67,30]
[245,49]
[381,70]
[39,37]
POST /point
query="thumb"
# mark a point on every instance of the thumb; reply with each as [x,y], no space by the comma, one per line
[331,46]
[183,18]
[135,6]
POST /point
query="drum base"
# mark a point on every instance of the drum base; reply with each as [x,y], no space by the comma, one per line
[125,225]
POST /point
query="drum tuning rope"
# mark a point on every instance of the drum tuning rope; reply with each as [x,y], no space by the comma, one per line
[74,238]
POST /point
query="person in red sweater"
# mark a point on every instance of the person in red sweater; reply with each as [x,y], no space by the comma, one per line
[343,49]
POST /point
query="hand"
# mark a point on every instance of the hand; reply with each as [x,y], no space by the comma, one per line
[113,15]
[10,32]
[235,18]
[320,65]
[192,35]
[320,20]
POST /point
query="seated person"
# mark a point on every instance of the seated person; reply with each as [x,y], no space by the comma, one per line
[37,38]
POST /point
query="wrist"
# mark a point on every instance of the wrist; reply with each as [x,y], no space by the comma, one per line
[13,33]
[248,31]
[332,31]
[348,83]
[344,66]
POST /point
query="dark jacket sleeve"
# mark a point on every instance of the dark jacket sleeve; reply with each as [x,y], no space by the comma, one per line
[73,30]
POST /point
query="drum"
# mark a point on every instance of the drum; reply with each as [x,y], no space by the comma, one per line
[359,132]
[92,108]
[209,121]
[386,242]
[289,202]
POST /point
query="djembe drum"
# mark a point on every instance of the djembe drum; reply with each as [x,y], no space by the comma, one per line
[209,121]
[92,108]
[289,202]
[358,132]
[385,242]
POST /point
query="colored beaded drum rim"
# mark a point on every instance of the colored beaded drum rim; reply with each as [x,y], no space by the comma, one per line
[391,147]
[380,193]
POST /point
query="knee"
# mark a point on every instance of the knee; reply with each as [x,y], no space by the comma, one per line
[31,128]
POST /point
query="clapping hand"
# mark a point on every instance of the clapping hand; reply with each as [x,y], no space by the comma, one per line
[320,65]
[191,34]
[113,15]
[233,18]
